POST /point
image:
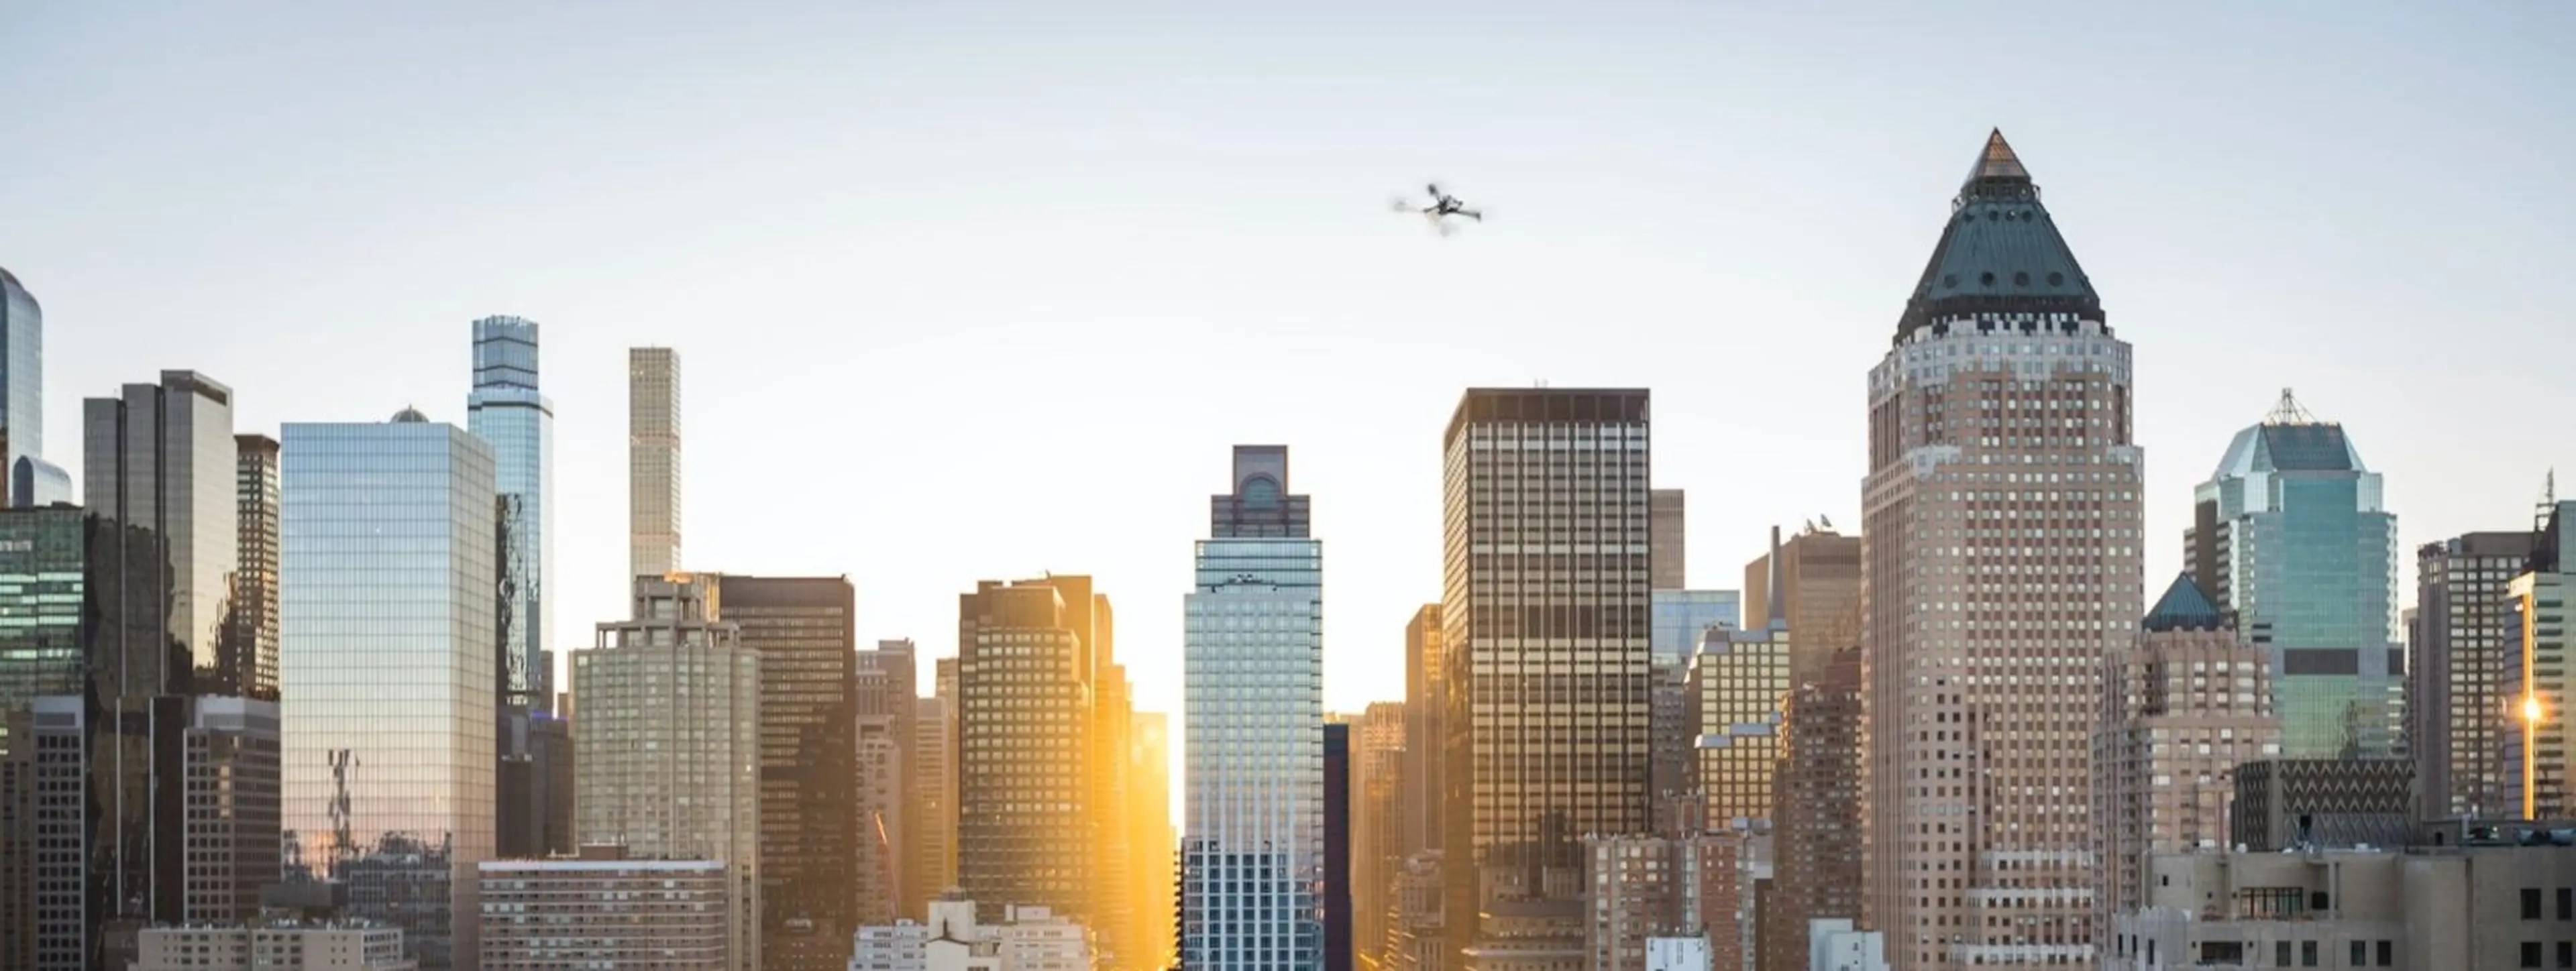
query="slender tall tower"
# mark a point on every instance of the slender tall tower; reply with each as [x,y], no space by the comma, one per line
[387,581]
[251,636]
[1546,586]
[2002,566]
[652,460]
[2289,534]
[1425,694]
[1252,690]
[507,413]
[22,389]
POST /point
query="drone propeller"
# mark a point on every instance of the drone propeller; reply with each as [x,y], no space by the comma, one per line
[1401,204]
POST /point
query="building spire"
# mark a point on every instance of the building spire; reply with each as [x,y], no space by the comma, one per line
[2289,412]
[1779,611]
[1996,164]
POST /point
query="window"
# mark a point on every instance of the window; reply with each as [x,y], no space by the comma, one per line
[2360,954]
[2531,903]
[2566,904]
[2567,954]
[2531,949]
[2280,954]
[2307,954]
[2387,954]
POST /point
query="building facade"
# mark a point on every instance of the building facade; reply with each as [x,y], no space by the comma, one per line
[1425,737]
[652,461]
[44,832]
[601,911]
[1818,572]
[2289,534]
[1739,679]
[1667,563]
[1024,792]
[2181,711]
[506,411]
[1254,840]
[1377,826]
[275,946]
[22,387]
[2459,698]
[805,631]
[2002,509]
[387,570]
[1816,863]
[1545,598]
[250,639]
[2540,746]
[668,757]
[1152,842]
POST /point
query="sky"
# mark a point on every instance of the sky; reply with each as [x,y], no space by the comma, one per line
[979,291]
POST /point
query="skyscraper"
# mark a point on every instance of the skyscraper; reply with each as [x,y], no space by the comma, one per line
[1253,843]
[1819,573]
[2002,565]
[1151,843]
[161,468]
[250,638]
[1377,825]
[1738,681]
[900,661]
[2289,535]
[2540,745]
[652,460]
[1024,792]
[2459,691]
[1425,699]
[22,384]
[668,757]
[805,631]
[1336,896]
[506,412]
[1817,866]
[1665,556]
[2181,710]
[876,878]
[387,579]
[44,587]
[934,827]
[1545,585]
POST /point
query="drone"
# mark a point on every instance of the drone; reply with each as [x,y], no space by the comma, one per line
[1442,206]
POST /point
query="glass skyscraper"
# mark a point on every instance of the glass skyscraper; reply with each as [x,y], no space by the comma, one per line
[388,642]
[1252,851]
[2289,533]
[507,413]
[22,374]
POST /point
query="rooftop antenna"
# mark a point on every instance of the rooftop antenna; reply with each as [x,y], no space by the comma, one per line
[2289,412]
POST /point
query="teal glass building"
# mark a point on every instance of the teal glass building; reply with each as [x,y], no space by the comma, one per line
[2290,534]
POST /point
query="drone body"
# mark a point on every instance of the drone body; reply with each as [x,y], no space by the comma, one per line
[1439,208]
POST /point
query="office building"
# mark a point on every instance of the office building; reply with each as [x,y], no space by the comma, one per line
[1819,575]
[1646,888]
[2290,535]
[387,570]
[1529,934]
[2183,709]
[1151,842]
[667,761]
[602,910]
[1426,699]
[652,461]
[1666,566]
[1377,824]
[934,768]
[2003,509]
[2459,691]
[1338,934]
[877,877]
[1414,939]
[1816,862]
[284,945]
[900,660]
[22,393]
[177,697]
[1024,690]
[805,631]
[44,836]
[506,411]
[2540,746]
[1113,714]
[1680,619]
[1254,840]
[1545,511]
[1738,681]
[250,637]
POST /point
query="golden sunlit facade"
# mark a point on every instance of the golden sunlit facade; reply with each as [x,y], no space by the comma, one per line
[1738,682]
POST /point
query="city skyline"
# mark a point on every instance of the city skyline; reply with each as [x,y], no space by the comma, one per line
[1785,233]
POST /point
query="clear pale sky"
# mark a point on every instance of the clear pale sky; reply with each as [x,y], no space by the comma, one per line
[981,290]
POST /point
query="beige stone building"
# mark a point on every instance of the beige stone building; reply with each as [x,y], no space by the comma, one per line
[2003,513]
[2181,710]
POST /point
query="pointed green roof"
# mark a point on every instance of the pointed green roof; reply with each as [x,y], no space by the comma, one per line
[2184,607]
[2001,253]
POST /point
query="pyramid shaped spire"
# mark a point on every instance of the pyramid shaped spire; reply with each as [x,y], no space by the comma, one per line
[2184,607]
[1997,163]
